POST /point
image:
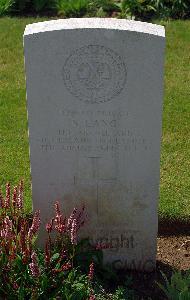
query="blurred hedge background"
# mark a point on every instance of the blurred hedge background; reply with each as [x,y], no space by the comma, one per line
[131,9]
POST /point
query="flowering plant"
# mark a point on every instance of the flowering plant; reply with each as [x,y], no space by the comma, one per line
[30,272]
[63,270]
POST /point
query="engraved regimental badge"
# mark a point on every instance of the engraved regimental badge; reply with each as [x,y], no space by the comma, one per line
[94,74]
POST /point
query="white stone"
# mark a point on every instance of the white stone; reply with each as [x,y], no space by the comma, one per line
[94,96]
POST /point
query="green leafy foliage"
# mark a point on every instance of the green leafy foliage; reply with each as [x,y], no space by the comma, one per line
[120,294]
[178,288]
[165,9]
[5,6]
[71,8]
[85,253]
[132,9]
[146,9]
[102,8]
[135,9]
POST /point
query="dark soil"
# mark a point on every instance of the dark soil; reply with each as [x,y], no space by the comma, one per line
[173,253]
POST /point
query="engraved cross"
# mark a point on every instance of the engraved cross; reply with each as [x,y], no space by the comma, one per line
[95,167]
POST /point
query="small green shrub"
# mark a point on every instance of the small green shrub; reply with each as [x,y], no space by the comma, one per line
[120,294]
[102,8]
[136,9]
[5,6]
[71,8]
[165,9]
[132,9]
[147,9]
[178,288]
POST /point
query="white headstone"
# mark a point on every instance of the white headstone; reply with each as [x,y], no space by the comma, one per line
[94,93]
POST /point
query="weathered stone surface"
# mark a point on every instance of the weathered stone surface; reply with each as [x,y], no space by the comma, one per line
[94,94]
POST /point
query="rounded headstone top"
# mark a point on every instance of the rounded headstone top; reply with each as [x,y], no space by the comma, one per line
[95,23]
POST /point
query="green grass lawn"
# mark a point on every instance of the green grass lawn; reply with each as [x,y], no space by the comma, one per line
[175,159]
